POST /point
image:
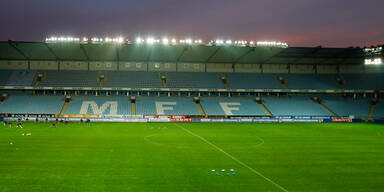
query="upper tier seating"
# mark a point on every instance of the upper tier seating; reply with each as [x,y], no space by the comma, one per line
[137,79]
[253,81]
[346,107]
[310,81]
[296,105]
[99,105]
[20,103]
[193,80]
[142,79]
[4,75]
[166,106]
[71,79]
[364,81]
[21,78]
[231,106]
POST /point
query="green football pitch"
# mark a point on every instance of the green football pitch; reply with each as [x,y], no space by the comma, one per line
[182,157]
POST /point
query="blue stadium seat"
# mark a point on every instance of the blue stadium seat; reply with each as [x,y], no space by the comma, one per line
[71,79]
[138,79]
[166,106]
[379,110]
[253,81]
[4,75]
[310,81]
[27,104]
[99,105]
[21,78]
[346,107]
[219,106]
[296,105]
[193,80]
[364,81]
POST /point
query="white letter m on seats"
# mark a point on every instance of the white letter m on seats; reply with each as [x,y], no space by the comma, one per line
[99,110]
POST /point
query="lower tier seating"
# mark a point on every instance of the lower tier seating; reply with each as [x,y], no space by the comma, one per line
[99,105]
[28,104]
[294,106]
[346,107]
[220,106]
[166,106]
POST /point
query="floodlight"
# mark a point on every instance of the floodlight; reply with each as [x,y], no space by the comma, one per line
[150,40]
[219,41]
[165,41]
[174,41]
[228,42]
[139,40]
[188,41]
[120,40]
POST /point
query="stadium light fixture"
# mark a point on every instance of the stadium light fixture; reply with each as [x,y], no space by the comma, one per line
[150,40]
[228,42]
[96,40]
[174,41]
[62,39]
[271,44]
[119,40]
[219,41]
[188,41]
[139,40]
[165,41]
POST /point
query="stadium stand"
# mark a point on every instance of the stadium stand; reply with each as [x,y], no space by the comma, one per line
[22,103]
[166,106]
[4,75]
[347,106]
[294,105]
[99,105]
[71,79]
[379,110]
[310,81]
[137,79]
[253,81]
[21,78]
[243,107]
[364,81]
[193,80]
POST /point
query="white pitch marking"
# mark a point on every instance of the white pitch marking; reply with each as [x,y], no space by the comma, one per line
[234,158]
[146,138]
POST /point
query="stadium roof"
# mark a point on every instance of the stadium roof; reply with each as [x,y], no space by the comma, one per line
[12,50]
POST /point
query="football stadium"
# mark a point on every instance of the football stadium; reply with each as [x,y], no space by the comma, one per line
[159,114]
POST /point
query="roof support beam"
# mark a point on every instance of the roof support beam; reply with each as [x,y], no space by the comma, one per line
[118,58]
[181,55]
[149,57]
[271,57]
[237,60]
[315,50]
[52,52]
[343,55]
[84,52]
[213,54]
[18,50]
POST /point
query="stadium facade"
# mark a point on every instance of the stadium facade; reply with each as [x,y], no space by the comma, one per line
[75,79]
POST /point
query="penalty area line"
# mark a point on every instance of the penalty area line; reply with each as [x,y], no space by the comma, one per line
[233,158]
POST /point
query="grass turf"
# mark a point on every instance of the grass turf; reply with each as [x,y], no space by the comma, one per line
[165,157]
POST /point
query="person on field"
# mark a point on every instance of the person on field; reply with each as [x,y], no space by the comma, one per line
[19,125]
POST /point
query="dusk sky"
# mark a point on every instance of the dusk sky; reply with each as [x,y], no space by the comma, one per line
[330,23]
